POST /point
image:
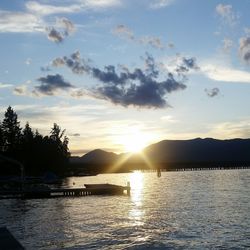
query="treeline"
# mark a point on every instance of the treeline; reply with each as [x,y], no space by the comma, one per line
[36,152]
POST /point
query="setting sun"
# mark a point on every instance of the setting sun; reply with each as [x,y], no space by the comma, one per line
[134,140]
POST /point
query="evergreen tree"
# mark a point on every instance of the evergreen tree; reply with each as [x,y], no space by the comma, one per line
[1,138]
[27,134]
[37,153]
[11,130]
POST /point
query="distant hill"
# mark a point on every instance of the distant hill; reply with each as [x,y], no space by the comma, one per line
[197,150]
[96,156]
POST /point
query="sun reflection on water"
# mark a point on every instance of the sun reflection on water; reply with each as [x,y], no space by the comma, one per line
[136,212]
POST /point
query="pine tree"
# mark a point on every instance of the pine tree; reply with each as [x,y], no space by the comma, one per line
[28,134]
[11,130]
[1,138]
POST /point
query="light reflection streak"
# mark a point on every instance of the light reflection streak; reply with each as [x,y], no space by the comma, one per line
[136,213]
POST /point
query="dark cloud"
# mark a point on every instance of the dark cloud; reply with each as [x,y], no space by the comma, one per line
[75,135]
[245,49]
[184,65]
[79,93]
[50,84]
[147,87]
[73,62]
[63,29]
[143,91]
[45,68]
[54,35]
[190,63]
[212,92]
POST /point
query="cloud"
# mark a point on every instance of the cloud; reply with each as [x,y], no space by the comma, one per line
[169,119]
[50,84]
[225,74]
[244,49]
[76,6]
[232,129]
[147,87]
[68,26]
[79,93]
[75,135]
[28,61]
[54,35]
[22,90]
[181,65]
[154,42]
[32,19]
[73,62]
[64,27]
[124,32]
[227,14]
[158,4]
[5,85]
[20,22]
[227,44]
[45,9]
[212,92]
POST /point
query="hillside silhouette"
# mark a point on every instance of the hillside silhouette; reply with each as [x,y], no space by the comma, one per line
[170,154]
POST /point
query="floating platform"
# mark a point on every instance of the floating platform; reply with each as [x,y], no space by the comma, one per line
[90,189]
[8,241]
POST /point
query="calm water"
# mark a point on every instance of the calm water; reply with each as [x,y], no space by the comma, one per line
[180,210]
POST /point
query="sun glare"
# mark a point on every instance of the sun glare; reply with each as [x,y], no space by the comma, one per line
[134,141]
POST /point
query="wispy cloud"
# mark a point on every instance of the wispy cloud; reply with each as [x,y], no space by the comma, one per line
[33,19]
[5,85]
[21,90]
[225,74]
[232,129]
[75,6]
[46,9]
[126,33]
[20,22]
[227,14]
[158,4]
[227,44]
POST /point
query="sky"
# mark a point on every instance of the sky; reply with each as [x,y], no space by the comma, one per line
[122,74]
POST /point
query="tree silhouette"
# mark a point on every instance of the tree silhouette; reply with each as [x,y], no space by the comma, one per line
[38,153]
[1,138]
[11,131]
[27,133]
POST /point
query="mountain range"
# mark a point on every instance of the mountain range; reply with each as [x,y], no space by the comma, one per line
[192,151]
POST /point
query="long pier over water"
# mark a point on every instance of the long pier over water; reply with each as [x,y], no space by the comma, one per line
[98,189]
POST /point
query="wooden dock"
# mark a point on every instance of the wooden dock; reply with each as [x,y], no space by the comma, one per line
[8,241]
[90,189]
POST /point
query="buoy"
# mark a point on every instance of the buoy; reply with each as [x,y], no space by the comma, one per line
[158,172]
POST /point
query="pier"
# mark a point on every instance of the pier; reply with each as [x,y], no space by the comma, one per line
[8,241]
[89,189]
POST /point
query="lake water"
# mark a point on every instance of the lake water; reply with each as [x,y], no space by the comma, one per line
[180,210]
